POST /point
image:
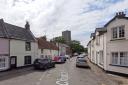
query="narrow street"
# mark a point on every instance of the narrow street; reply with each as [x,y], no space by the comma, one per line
[63,74]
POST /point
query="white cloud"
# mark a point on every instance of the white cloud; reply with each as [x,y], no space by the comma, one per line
[53,16]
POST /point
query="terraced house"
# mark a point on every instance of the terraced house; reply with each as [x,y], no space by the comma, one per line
[108,45]
[46,49]
[18,46]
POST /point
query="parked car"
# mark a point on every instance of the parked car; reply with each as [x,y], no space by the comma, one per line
[67,56]
[60,59]
[81,62]
[81,56]
[64,58]
[43,63]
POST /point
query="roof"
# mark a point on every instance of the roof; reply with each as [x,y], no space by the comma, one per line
[44,44]
[3,32]
[101,30]
[15,32]
[119,15]
[92,35]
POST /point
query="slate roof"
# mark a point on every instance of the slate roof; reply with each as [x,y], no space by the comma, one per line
[92,35]
[3,32]
[119,16]
[15,32]
[44,44]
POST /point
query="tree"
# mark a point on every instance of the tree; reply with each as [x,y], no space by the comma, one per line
[59,39]
[86,50]
[76,46]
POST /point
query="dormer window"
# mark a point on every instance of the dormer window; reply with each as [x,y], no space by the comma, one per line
[118,32]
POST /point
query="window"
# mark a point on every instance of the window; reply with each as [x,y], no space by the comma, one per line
[118,32]
[123,58]
[101,58]
[42,56]
[114,33]
[121,32]
[2,62]
[115,58]
[27,60]
[120,58]
[28,46]
[42,50]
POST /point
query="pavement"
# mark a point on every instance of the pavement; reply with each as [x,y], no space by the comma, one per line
[108,79]
[62,74]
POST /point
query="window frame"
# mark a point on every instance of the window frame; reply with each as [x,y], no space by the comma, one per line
[119,59]
[27,62]
[28,46]
[3,63]
[118,32]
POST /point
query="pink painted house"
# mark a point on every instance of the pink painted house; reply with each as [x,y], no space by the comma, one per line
[4,48]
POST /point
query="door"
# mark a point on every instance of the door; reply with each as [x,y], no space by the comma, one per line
[97,56]
[13,62]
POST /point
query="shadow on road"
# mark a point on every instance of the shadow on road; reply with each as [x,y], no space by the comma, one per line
[17,72]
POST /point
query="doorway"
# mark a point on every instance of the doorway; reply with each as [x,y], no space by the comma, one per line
[13,62]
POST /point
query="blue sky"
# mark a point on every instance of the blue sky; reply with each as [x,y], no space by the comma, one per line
[51,17]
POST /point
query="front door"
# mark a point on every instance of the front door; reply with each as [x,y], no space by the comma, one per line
[13,62]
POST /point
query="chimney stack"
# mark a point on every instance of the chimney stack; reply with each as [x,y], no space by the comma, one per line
[27,26]
[120,14]
[44,38]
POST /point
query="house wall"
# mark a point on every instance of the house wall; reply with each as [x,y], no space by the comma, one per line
[89,50]
[4,46]
[47,52]
[92,51]
[101,46]
[116,45]
[4,52]
[17,48]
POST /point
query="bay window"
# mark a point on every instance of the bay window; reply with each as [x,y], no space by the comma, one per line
[120,58]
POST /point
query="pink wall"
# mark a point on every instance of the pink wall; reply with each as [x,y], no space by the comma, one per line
[4,46]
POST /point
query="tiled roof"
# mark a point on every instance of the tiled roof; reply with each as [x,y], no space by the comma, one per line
[44,44]
[15,32]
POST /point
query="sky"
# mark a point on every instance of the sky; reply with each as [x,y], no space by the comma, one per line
[51,17]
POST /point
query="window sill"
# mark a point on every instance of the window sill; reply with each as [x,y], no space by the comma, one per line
[118,65]
[118,39]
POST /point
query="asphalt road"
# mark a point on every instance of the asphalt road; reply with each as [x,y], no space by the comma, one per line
[63,74]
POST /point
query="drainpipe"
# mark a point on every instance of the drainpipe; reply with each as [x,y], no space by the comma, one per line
[9,56]
[58,48]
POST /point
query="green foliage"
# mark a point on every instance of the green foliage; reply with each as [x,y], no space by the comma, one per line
[76,47]
[86,50]
[59,39]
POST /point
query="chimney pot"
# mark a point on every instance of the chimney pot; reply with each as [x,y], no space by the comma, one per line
[120,14]
[27,26]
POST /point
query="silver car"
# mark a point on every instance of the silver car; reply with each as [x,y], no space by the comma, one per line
[81,62]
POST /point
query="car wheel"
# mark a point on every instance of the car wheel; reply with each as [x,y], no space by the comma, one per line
[53,65]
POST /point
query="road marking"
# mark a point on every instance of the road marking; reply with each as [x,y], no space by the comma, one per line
[63,79]
[42,76]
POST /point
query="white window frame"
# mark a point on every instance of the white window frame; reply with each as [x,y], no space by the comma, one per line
[119,59]
[118,32]
[3,63]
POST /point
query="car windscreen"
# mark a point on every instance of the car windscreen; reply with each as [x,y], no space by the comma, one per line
[81,60]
